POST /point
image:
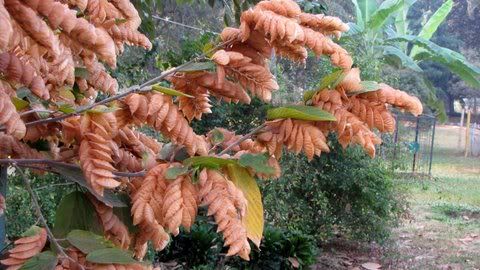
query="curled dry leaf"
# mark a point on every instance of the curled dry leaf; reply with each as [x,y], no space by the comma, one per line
[25,248]
[227,204]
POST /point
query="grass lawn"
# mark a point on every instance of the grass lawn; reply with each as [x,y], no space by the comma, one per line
[442,230]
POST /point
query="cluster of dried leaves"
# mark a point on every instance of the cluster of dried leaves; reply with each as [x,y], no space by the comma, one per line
[43,44]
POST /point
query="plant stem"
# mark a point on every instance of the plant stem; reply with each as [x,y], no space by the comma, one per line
[38,211]
[243,138]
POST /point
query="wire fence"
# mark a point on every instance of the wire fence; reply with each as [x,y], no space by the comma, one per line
[410,147]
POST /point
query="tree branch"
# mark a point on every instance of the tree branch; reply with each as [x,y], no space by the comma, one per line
[145,87]
[38,211]
[27,164]
[243,138]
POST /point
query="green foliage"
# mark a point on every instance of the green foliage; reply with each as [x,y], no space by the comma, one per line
[189,49]
[300,112]
[49,188]
[43,261]
[201,248]
[281,249]
[346,193]
[238,117]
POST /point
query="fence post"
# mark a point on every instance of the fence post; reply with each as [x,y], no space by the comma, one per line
[395,142]
[460,129]
[467,134]
[3,191]
[431,146]
[416,144]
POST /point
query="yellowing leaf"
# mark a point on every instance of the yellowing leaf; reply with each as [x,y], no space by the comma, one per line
[66,94]
[253,219]
[19,104]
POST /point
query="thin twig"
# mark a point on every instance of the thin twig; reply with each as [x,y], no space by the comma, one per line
[38,211]
[130,174]
[54,185]
[243,138]
[184,25]
[145,87]
[35,111]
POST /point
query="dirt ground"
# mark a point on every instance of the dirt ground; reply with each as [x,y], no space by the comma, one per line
[442,228]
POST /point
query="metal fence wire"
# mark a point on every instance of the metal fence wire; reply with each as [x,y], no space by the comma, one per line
[410,147]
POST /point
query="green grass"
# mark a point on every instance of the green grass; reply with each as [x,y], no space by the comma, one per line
[444,210]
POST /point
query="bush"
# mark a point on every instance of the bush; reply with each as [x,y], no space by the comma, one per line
[347,193]
[19,213]
[202,249]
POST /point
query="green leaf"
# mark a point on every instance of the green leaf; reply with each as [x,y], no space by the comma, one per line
[197,66]
[23,92]
[19,104]
[367,86]
[65,107]
[366,8]
[33,230]
[217,136]
[300,112]
[125,216]
[75,212]
[329,81]
[354,29]
[454,61]
[383,12]
[87,241]
[433,23]
[75,174]
[111,256]
[404,59]
[307,95]
[257,162]
[102,109]
[174,172]
[169,149]
[81,72]
[42,261]
[208,162]
[401,22]
[169,91]
[253,219]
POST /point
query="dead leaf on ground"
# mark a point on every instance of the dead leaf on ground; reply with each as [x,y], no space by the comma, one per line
[371,266]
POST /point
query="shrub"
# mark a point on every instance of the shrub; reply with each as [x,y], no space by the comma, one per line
[202,249]
[346,193]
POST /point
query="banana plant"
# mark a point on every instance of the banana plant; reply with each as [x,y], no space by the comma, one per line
[386,34]
[386,28]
